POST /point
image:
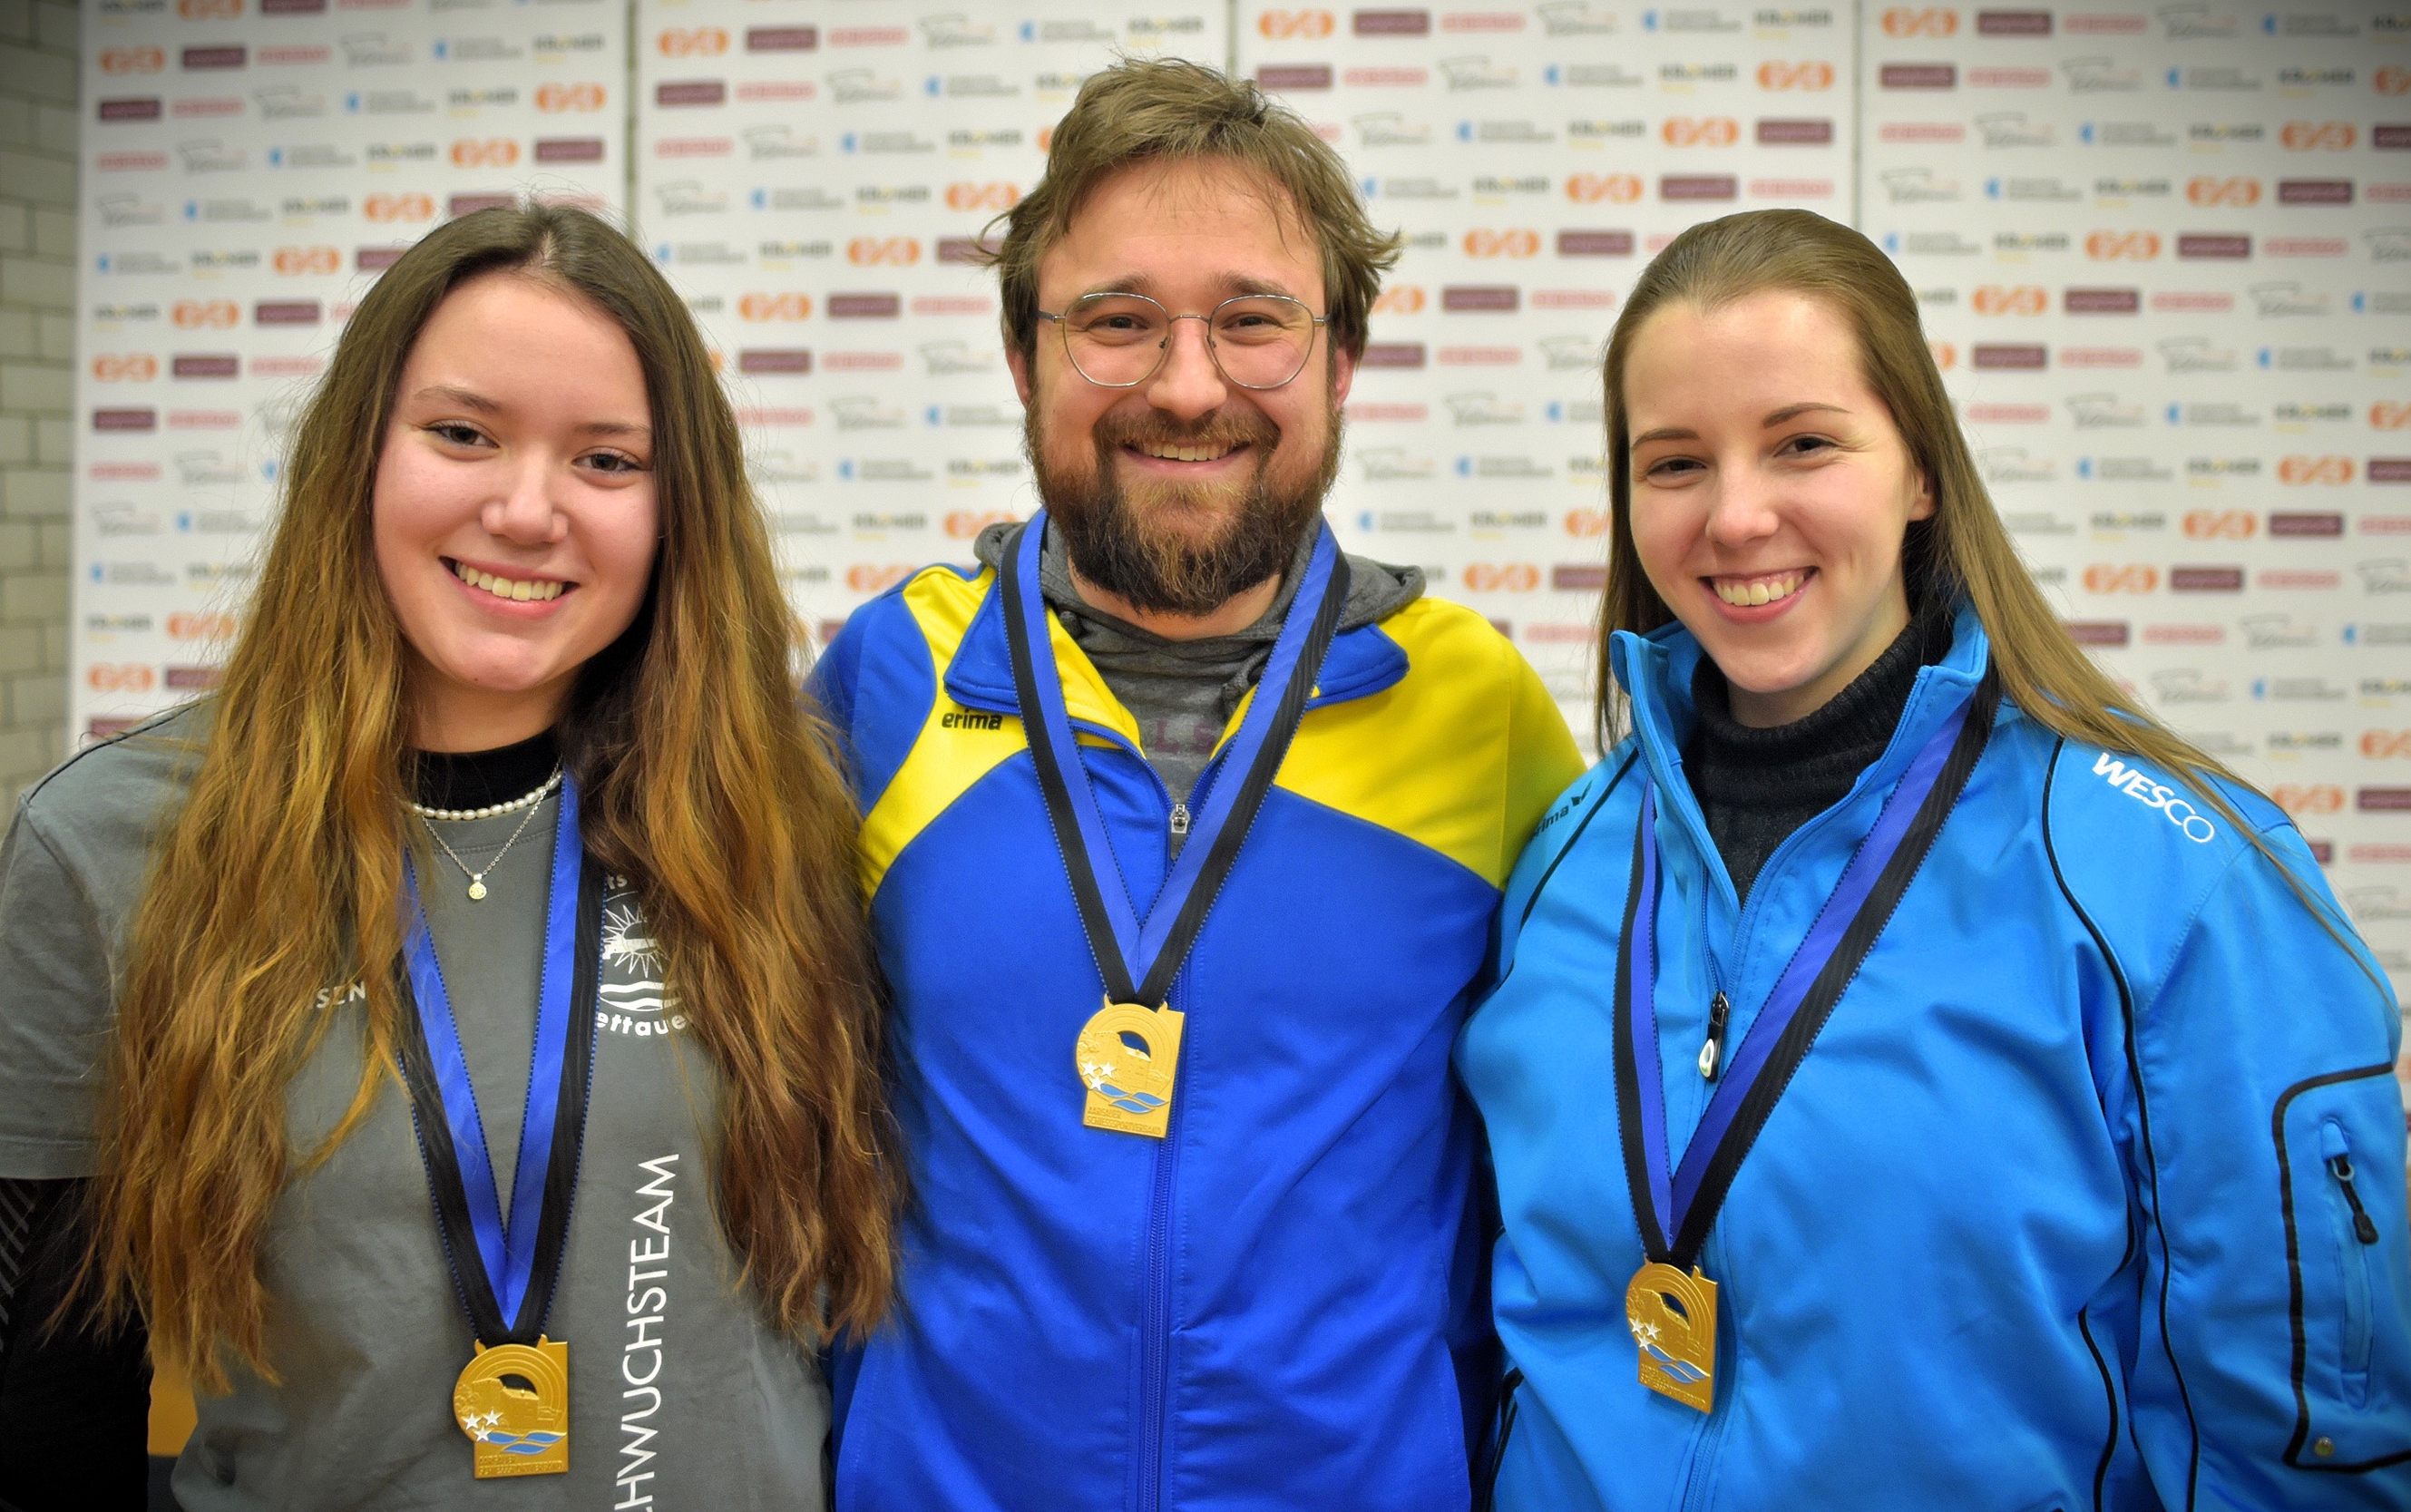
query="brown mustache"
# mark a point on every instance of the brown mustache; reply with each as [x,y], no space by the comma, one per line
[1214,429]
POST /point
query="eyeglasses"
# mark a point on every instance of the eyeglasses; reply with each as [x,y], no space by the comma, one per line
[1118,340]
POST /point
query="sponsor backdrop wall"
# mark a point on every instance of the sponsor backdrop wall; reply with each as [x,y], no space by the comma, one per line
[2163,249]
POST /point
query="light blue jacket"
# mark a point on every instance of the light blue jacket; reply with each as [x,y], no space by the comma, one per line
[2054,1216]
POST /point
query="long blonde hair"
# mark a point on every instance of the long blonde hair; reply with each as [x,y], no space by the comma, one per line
[703,780]
[1962,552]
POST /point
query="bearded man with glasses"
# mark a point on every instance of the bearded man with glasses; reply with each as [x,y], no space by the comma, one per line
[1183,832]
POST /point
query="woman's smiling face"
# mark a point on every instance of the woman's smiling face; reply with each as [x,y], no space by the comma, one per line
[515,517]
[1771,492]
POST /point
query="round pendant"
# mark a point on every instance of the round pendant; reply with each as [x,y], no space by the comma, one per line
[476,891]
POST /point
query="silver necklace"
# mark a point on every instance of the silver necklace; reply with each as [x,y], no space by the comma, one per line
[531,802]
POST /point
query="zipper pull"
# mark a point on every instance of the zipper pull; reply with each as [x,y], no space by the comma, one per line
[1179,819]
[2363,1227]
[1717,1010]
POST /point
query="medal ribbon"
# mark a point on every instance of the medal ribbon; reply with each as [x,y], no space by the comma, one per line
[506,1272]
[1676,1206]
[1116,935]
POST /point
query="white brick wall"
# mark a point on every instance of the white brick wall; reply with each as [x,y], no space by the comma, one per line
[38,70]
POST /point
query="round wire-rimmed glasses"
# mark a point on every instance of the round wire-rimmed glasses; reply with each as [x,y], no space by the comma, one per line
[1118,340]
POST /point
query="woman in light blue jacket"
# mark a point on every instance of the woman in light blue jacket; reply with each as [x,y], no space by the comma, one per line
[1916,1079]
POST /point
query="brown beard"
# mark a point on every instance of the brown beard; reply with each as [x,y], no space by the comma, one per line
[1133,552]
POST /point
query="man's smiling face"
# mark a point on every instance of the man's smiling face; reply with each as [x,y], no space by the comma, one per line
[1183,490]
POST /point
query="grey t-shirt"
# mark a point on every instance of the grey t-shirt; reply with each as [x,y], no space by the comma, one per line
[681,1392]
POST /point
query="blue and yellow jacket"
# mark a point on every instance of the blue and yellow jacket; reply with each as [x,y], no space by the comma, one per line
[1280,1304]
[2089,1195]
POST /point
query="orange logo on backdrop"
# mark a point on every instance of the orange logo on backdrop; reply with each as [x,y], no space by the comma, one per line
[208,9]
[962,524]
[969,195]
[1398,300]
[194,314]
[692,41]
[2390,415]
[133,60]
[890,250]
[2223,191]
[2327,470]
[2220,524]
[865,578]
[124,368]
[200,627]
[1704,131]
[774,307]
[1282,25]
[1514,244]
[1586,523]
[119,677]
[2123,246]
[2392,80]
[1795,76]
[493,153]
[1614,188]
[2010,299]
[555,98]
[1946,356]
[308,260]
[2307,798]
[2318,136]
[2386,744]
[1501,578]
[383,208]
[1932,20]
[2134,577]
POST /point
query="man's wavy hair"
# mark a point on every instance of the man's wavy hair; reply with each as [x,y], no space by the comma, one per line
[1168,110]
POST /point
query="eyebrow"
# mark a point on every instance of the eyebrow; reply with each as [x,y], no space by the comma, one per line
[469,398]
[1238,284]
[1773,419]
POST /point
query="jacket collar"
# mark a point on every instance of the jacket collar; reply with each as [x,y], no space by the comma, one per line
[1361,662]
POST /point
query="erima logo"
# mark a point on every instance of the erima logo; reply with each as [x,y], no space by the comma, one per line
[970,719]
[2136,784]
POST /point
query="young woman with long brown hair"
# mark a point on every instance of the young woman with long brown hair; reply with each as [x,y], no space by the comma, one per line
[462,1022]
[1916,1079]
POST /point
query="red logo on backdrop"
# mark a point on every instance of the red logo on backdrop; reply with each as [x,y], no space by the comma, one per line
[2010,299]
[308,260]
[1399,299]
[1596,188]
[200,627]
[2386,744]
[2392,80]
[208,9]
[2121,246]
[2223,191]
[2307,798]
[2389,414]
[1282,25]
[897,251]
[1780,75]
[774,307]
[962,524]
[2318,136]
[133,60]
[2325,469]
[125,367]
[1583,524]
[692,41]
[383,208]
[2134,577]
[197,314]
[1930,20]
[865,578]
[1501,578]
[1512,243]
[968,196]
[554,98]
[120,678]
[493,153]
[1704,131]
[2220,524]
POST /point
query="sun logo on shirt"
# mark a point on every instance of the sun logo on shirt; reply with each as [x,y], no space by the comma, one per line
[628,944]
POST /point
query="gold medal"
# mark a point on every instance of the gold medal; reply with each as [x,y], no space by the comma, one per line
[513,1402]
[1129,1085]
[1673,1319]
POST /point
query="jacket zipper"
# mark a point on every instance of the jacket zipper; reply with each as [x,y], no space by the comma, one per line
[2363,1228]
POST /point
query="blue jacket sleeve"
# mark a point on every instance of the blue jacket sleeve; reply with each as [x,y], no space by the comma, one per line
[2266,1128]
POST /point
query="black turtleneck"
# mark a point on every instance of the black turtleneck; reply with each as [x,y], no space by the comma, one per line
[478,778]
[1756,786]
